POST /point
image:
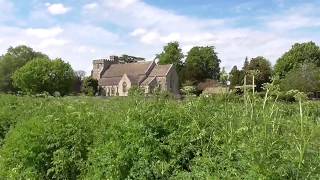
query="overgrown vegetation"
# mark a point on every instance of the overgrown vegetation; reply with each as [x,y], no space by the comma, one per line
[133,138]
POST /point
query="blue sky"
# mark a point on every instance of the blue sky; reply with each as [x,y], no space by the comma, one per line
[81,30]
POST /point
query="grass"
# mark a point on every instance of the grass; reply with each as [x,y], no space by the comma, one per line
[132,138]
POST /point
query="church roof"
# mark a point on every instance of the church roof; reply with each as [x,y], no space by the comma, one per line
[160,70]
[136,79]
[113,81]
[148,81]
[136,72]
[131,69]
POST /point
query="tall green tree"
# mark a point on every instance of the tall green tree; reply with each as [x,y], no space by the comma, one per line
[172,54]
[245,65]
[263,71]
[15,58]
[236,77]
[202,63]
[305,78]
[299,53]
[223,76]
[43,75]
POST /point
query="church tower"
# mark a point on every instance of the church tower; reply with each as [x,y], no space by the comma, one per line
[100,65]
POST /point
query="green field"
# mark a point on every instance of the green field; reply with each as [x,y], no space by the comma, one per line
[130,138]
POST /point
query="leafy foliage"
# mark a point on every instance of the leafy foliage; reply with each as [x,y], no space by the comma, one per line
[43,75]
[172,54]
[202,63]
[11,61]
[223,77]
[305,79]
[236,77]
[245,65]
[90,86]
[258,67]
[263,68]
[203,138]
[135,91]
[297,55]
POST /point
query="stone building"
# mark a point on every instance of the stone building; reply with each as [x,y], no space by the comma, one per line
[116,78]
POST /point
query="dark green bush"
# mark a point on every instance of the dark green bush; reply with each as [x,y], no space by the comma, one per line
[90,86]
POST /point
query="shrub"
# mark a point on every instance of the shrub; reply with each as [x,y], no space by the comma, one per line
[90,86]
[305,78]
[49,145]
[135,91]
[189,90]
[42,75]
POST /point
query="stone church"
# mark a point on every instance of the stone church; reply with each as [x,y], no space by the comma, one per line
[116,77]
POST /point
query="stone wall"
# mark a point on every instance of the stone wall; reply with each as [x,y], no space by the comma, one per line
[99,66]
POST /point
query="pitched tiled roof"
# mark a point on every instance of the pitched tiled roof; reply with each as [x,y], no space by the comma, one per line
[160,70]
[131,69]
[148,81]
[136,72]
[113,81]
[135,80]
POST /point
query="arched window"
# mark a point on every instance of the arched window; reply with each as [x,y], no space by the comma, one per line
[124,87]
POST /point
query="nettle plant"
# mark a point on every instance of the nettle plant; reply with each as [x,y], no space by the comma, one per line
[156,138]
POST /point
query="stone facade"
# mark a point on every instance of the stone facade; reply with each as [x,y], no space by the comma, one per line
[116,78]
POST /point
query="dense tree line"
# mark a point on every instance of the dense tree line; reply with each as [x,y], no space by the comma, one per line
[258,68]
[297,69]
[23,69]
[200,63]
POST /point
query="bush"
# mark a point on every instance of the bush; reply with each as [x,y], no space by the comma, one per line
[135,91]
[189,90]
[305,78]
[42,75]
[50,145]
[90,86]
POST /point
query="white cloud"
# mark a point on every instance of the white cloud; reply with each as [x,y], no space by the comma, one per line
[293,21]
[303,16]
[171,37]
[138,32]
[144,30]
[153,27]
[76,47]
[57,9]
[85,49]
[51,42]
[44,33]
[121,4]
[90,6]
[150,37]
